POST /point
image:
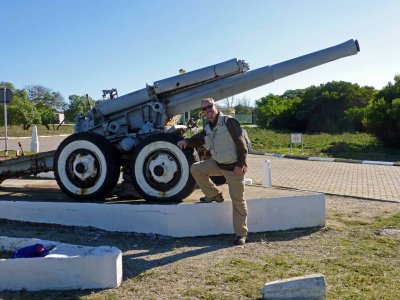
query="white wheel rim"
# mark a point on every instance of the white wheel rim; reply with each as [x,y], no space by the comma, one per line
[140,161]
[62,172]
[168,166]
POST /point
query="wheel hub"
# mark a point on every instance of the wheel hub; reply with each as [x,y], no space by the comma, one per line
[159,170]
[163,168]
[83,166]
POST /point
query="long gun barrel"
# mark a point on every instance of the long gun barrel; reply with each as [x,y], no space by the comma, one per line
[243,82]
[184,92]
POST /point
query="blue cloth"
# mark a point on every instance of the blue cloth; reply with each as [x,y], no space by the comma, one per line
[37,250]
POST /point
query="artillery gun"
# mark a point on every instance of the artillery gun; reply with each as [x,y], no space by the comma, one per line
[131,131]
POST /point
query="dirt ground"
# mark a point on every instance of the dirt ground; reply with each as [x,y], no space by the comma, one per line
[157,267]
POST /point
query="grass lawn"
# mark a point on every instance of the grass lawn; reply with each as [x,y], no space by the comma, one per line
[18,131]
[360,146]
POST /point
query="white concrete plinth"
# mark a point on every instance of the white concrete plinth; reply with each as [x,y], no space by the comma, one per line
[311,287]
[65,267]
[279,212]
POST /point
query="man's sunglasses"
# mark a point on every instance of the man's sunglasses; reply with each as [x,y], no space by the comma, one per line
[205,108]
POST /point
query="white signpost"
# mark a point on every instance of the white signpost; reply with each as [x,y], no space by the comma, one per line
[296,138]
[6,96]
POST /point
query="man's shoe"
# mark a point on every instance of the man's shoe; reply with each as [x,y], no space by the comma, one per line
[218,198]
[240,240]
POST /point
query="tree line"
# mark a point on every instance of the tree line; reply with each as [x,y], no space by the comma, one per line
[37,104]
[335,107]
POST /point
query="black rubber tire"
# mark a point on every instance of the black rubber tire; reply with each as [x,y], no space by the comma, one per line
[94,151]
[173,163]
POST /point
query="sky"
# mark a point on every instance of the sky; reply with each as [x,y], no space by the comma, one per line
[84,46]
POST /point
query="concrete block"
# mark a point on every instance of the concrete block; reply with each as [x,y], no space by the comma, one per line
[282,211]
[270,209]
[66,267]
[310,287]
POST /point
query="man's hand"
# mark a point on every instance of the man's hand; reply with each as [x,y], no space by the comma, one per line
[182,144]
[240,171]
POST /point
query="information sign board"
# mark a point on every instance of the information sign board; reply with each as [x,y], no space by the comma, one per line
[296,138]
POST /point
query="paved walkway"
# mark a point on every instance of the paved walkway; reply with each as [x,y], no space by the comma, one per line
[359,180]
[46,143]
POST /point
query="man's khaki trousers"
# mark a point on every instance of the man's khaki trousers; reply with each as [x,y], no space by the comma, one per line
[201,172]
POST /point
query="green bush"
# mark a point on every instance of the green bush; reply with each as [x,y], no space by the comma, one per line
[21,112]
[332,107]
[383,114]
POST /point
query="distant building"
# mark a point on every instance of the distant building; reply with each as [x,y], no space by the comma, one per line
[60,116]
[242,118]
[229,111]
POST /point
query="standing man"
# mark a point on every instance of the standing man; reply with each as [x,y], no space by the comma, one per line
[222,136]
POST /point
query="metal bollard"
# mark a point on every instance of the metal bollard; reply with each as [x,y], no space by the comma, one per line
[35,140]
[267,175]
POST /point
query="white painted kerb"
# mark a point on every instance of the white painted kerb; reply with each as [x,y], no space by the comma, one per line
[65,267]
[179,220]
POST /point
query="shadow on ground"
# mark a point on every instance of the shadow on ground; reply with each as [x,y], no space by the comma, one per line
[362,152]
[141,252]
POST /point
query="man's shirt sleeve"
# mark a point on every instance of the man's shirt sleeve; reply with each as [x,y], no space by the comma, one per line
[197,140]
